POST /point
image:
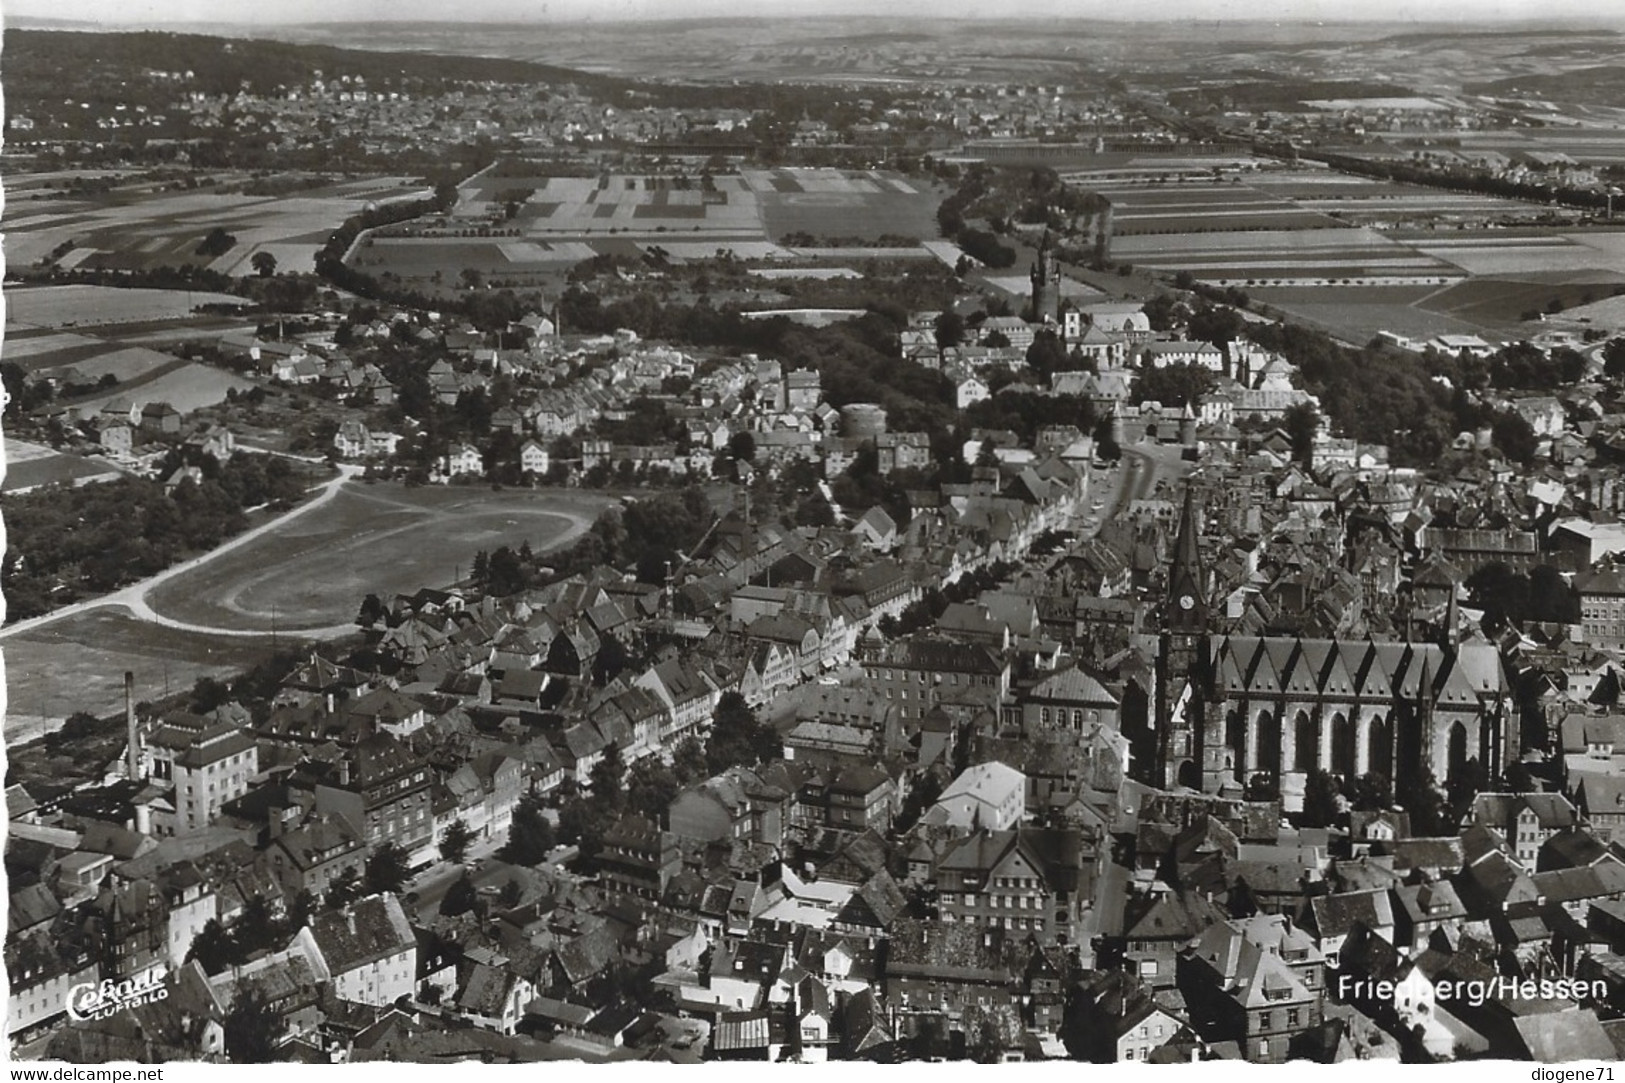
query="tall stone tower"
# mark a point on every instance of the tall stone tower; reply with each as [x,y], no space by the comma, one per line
[1181,646]
[1046,280]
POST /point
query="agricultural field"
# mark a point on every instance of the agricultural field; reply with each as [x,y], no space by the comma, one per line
[1363,201]
[138,228]
[1356,314]
[379,538]
[1506,302]
[59,307]
[29,466]
[1606,315]
[1318,257]
[560,221]
[82,335]
[1493,253]
[1204,206]
[78,664]
[1333,249]
[828,202]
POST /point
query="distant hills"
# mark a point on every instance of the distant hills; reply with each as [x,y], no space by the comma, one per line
[225,65]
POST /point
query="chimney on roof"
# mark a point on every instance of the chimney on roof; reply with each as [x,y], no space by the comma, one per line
[133,766]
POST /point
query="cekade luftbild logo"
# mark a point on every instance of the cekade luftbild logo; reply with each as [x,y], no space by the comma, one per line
[94,1000]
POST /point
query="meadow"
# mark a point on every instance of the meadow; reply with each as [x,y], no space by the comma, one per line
[378,538]
[78,664]
[30,465]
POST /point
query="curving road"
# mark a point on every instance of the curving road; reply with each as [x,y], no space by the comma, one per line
[134,597]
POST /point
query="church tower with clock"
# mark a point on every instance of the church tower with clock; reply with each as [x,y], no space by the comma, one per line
[1182,646]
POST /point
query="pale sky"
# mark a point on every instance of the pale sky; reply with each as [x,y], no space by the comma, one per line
[138,13]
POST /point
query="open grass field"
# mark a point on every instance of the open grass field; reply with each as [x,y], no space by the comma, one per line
[380,538]
[185,385]
[1356,314]
[58,307]
[78,664]
[1503,302]
[30,465]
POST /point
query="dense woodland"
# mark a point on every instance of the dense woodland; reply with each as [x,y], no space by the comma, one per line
[65,543]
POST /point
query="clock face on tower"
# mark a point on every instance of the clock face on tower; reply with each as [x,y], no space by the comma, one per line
[1186,601]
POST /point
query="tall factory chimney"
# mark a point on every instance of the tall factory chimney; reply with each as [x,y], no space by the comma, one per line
[134,763]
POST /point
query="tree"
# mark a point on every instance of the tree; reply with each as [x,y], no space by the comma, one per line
[212,947]
[512,895]
[1519,779]
[253,1031]
[1514,436]
[217,243]
[1302,423]
[607,779]
[454,843]
[460,897]
[530,835]
[255,928]
[505,574]
[742,445]
[1502,593]
[1320,800]
[1373,792]
[950,329]
[344,889]
[650,789]
[1613,358]
[1162,312]
[688,761]
[209,694]
[581,824]
[387,869]
[737,737]
[264,263]
[1174,385]
[1217,324]
[1550,596]
[300,911]
[372,611]
[1047,354]
[1430,814]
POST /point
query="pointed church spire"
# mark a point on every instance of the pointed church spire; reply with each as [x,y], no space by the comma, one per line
[1187,552]
[1187,586]
[1424,687]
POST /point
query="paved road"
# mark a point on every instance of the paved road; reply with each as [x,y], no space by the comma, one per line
[134,596]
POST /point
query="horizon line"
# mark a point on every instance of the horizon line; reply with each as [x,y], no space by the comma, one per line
[1547,26]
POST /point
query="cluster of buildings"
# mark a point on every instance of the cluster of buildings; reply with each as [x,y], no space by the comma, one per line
[1244,773]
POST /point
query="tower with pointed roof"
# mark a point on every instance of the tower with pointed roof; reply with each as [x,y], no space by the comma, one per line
[1046,279]
[1183,632]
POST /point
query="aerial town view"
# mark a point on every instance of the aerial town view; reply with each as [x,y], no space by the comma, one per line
[910,537]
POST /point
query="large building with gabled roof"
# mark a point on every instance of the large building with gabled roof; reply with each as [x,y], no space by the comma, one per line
[1231,709]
